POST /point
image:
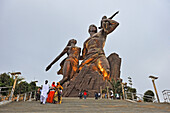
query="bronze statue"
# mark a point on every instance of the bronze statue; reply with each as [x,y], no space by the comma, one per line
[93,53]
[70,64]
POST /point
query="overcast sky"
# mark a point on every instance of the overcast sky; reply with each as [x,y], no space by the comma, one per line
[34,32]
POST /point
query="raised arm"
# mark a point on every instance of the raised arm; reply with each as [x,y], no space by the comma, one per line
[105,17]
[109,25]
[57,58]
[113,15]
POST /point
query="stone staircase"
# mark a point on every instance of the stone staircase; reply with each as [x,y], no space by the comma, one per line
[90,105]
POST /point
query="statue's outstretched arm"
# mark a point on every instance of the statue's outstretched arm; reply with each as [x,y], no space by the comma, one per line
[105,17]
[57,58]
[109,25]
[113,15]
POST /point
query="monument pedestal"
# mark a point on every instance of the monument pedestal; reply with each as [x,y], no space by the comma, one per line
[91,80]
[88,80]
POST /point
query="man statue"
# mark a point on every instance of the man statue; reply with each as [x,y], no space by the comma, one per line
[93,53]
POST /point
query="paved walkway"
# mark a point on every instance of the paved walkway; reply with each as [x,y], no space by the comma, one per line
[4,102]
[71,105]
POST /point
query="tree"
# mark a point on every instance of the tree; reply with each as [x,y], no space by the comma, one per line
[130,81]
[131,91]
[32,86]
[21,88]
[148,96]
[116,86]
[24,87]
[5,81]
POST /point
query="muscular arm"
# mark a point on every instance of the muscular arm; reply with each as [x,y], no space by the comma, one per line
[57,58]
[109,25]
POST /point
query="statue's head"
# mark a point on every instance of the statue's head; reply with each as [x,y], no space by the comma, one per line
[72,41]
[104,17]
[92,28]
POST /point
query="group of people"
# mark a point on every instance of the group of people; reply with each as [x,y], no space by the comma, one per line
[97,95]
[81,94]
[112,96]
[51,94]
[57,95]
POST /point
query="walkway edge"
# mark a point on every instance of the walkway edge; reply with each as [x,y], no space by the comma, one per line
[131,101]
[5,102]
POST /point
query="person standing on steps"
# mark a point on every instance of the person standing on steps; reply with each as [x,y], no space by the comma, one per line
[44,92]
[85,94]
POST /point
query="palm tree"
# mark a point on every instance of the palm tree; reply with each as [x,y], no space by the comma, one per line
[116,86]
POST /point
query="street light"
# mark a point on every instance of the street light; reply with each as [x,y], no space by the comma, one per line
[153,81]
[13,88]
[123,85]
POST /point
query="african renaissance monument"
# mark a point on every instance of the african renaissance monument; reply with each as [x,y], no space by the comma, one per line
[95,69]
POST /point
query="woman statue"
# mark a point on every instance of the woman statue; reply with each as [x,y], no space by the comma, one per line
[70,64]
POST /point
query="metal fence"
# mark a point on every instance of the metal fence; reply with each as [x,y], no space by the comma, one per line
[139,97]
[20,97]
[6,90]
[26,96]
[166,95]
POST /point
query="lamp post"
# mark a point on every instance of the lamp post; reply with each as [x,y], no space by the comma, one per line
[123,84]
[13,88]
[153,81]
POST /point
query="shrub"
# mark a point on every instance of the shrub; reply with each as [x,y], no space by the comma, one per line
[148,96]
